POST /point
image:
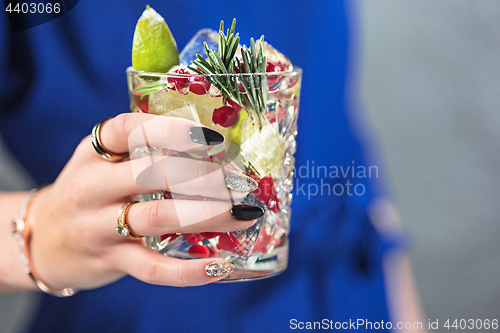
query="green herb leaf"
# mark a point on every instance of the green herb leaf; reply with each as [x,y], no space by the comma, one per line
[252,75]
[150,88]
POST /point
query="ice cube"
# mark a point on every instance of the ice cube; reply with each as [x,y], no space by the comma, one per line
[195,45]
[264,149]
[278,59]
[198,108]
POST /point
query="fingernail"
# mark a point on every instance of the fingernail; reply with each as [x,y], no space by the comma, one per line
[247,212]
[240,183]
[205,136]
[219,268]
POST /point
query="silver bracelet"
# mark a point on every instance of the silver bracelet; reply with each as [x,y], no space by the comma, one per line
[21,230]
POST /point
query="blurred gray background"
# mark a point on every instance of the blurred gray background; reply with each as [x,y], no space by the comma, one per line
[429,76]
[15,309]
[430,83]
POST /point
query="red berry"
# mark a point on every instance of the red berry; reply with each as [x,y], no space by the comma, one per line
[272,79]
[271,115]
[143,105]
[199,85]
[270,67]
[293,81]
[281,67]
[262,243]
[275,67]
[266,192]
[179,81]
[273,205]
[199,251]
[263,192]
[225,116]
[253,176]
[234,105]
[193,238]
[227,242]
[241,66]
[213,251]
[172,237]
[211,234]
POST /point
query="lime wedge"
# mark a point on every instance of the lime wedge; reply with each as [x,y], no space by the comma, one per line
[154,48]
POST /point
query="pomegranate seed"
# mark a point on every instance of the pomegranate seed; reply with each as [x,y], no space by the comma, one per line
[213,251]
[199,85]
[172,237]
[293,82]
[225,116]
[238,67]
[266,192]
[274,203]
[275,67]
[234,105]
[263,192]
[281,67]
[199,251]
[143,104]
[193,238]
[227,242]
[209,235]
[179,82]
[262,242]
[272,79]
[253,176]
[271,115]
[270,67]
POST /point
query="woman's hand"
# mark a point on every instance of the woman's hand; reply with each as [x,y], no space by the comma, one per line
[74,242]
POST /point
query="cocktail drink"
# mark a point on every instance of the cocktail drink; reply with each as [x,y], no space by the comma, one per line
[251,97]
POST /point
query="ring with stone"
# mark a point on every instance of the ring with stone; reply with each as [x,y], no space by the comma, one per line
[122,227]
[99,147]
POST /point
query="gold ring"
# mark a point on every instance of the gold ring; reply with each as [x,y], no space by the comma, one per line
[122,227]
[99,147]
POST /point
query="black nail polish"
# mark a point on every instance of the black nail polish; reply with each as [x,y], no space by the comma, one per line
[205,136]
[247,212]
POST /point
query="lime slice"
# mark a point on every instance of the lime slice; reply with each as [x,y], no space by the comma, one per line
[154,48]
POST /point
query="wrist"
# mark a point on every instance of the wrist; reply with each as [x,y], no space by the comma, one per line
[12,275]
[21,230]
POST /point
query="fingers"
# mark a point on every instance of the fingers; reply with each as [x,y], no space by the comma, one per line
[128,131]
[161,217]
[187,175]
[154,268]
[178,175]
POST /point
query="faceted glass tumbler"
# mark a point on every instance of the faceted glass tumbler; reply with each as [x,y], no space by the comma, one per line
[259,142]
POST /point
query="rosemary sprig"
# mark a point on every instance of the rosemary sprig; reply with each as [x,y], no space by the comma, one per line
[150,88]
[251,75]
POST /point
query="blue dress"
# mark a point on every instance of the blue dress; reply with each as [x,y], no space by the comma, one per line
[62,77]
